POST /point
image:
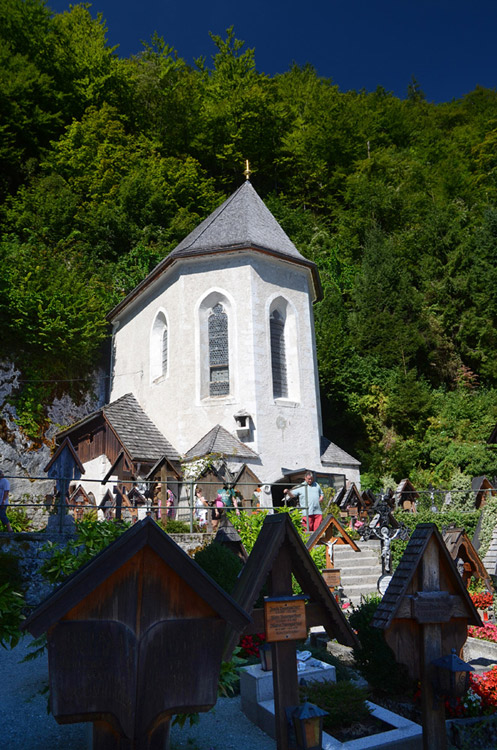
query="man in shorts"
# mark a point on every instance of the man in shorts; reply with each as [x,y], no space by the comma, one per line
[4,501]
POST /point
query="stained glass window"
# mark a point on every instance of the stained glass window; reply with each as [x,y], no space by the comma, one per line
[219,379]
[278,355]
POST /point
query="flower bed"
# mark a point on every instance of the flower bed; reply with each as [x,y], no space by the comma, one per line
[482,600]
[487,633]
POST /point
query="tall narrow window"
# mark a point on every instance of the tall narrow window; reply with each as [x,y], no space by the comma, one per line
[159,344]
[219,378]
[278,355]
[164,351]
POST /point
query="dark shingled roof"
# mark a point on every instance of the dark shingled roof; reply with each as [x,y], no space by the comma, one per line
[242,222]
[219,440]
[332,455]
[136,432]
[406,570]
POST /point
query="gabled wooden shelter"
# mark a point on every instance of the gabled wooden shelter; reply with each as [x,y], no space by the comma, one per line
[330,531]
[228,536]
[465,555]
[80,501]
[406,496]
[405,606]
[482,488]
[424,614]
[278,553]
[134,637]
[277,539]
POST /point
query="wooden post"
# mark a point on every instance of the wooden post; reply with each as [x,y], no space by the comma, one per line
[163,492]
[433,710]
[285,675]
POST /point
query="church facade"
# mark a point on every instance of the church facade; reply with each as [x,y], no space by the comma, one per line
[220,337]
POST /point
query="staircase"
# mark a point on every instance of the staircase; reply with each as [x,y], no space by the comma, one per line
[490,559]
[359,571]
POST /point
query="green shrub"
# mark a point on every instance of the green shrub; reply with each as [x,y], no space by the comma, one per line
[344,702]
[172,526]
[461,519]
[488,523]
[9,571]
[91,538]
[11,606]
[221,564]
[19,519]
[374,658]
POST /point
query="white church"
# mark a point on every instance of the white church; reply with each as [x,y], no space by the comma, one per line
[214,352]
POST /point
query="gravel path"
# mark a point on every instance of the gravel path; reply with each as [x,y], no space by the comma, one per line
[27,726]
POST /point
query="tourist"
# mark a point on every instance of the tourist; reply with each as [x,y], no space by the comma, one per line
[201,507]
[256,499]
[311,495]
[4,501]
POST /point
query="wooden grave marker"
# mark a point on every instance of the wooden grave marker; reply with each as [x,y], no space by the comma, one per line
[329,533]
[65,467]
[424,614]
[278,553]
[135,636]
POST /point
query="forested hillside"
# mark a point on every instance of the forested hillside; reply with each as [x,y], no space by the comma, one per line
[107,163]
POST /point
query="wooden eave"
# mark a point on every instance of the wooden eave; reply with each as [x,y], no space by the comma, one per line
[453,539]
[327,524]
[144,533]
[393,602]
[121,456]
[66,444]
[165,461]
[240,471]
[278,531]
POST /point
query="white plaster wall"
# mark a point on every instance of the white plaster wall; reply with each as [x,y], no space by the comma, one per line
[286,434]
[97,467]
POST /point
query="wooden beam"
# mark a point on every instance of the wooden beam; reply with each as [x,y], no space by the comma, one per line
[433,710]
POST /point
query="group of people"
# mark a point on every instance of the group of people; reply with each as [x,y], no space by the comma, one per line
[308,494]
[226,499]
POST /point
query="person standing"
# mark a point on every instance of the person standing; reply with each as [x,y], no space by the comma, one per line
[201,507]
[4,501]
[309,494]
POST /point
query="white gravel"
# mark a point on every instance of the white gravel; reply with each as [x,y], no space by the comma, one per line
[26,725]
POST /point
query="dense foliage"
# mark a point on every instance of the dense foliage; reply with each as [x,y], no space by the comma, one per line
[374,658]
[106,163]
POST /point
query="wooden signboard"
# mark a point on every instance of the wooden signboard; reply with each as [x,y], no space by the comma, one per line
[285,618]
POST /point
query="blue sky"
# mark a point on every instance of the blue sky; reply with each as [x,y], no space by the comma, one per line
[449,46]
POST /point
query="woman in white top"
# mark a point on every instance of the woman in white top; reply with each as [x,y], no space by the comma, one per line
[201,507]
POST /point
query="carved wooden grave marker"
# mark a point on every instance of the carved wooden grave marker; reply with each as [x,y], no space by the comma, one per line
[64,467]
[278,553]
[134,637]
[329,533]
[424,614]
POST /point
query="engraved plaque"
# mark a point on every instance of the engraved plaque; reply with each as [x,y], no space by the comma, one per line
[432,606]
[285,620]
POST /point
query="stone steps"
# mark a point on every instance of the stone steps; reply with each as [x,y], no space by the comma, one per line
[359,571]
[490,559]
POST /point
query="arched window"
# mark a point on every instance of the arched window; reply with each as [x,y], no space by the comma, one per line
[219,376]
[159,347]
[278,355]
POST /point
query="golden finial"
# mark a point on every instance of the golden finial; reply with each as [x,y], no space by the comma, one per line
[247,171]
